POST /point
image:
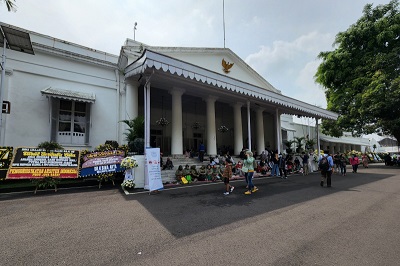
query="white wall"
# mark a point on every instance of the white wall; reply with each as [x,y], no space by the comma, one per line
[28,124]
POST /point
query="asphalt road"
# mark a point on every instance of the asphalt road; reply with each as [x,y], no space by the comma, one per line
[287,222]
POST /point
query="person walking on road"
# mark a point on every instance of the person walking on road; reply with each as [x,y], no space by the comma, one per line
[343,164]
[326,166]
[354,161]
[304,156]
[248,163]
[365,160]
[282,166]
[275,166]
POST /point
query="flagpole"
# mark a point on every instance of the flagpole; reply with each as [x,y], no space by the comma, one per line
[223,18]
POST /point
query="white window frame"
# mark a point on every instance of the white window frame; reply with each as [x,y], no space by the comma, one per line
[71,137]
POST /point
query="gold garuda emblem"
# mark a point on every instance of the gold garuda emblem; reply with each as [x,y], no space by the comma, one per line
[227,66]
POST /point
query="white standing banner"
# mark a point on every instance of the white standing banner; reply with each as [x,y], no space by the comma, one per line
[153,179]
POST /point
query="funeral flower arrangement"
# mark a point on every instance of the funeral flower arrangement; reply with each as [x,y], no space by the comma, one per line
[129,162]
[128,183]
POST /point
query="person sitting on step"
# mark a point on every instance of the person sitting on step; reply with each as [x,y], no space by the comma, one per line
[194,173]
[202,173]
[209,172]
[215,172]
[179,173]
[168,164]
[186,173]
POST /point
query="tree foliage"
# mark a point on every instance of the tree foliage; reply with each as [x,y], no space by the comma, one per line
[361,76]
[135,128]
[11,6]
[135,133]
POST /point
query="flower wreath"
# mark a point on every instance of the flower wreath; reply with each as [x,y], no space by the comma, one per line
[129,162]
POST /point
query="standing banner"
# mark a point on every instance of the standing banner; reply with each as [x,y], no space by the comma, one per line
[31,163]
[99,162]
[153,179]
[6,154]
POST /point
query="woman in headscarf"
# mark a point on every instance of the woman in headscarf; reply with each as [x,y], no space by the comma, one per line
[248,162]
[179,174]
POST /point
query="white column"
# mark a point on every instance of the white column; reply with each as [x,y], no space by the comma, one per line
[176,132]
[318,141]
[249,126]
[260,131]
[131,98]
[278,130]
[237,128]
[146,91]
[211,131]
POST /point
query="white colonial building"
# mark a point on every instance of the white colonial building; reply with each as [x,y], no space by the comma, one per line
[77,96]
[292,130]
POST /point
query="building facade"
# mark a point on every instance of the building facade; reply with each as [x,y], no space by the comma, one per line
[78,97]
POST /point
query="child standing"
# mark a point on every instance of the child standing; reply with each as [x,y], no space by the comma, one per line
[227,174]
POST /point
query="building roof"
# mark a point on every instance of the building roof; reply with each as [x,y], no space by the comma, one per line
[69,95]
[151,61]
[345,140]
[16,39]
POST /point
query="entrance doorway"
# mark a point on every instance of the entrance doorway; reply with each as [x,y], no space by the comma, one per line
[197,139]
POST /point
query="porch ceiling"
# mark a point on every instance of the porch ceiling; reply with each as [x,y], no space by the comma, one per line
[167,73]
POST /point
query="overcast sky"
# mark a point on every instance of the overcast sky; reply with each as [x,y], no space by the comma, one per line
[280,39]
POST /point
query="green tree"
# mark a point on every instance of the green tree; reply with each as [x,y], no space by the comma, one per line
[11,6]
[361,76]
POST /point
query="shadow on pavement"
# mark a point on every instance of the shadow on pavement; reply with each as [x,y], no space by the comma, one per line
[184,211]
[190,210]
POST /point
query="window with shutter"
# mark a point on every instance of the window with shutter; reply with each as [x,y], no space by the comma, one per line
[70,121]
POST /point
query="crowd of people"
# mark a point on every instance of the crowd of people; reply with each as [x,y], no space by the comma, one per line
[392,160]
[272,163]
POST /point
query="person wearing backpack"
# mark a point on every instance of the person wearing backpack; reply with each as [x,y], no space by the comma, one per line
[325,165]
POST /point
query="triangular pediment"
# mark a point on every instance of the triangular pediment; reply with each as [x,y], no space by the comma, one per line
[219,60]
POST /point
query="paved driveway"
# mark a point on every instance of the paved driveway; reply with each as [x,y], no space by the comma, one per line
[287,222]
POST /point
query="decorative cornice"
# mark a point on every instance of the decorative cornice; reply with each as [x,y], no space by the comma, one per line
[152,60]
[72,55]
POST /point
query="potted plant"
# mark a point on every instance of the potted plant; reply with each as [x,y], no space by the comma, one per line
[135,134]
[288,144]
[299,144]
[310,144]
[46,182]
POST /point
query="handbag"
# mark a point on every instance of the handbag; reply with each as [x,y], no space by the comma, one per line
[245,169]
[184,180]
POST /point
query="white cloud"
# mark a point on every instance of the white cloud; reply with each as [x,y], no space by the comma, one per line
[309,91]
[291,66]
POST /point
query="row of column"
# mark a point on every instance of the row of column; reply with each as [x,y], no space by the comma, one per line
[211,144]
[339,147]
